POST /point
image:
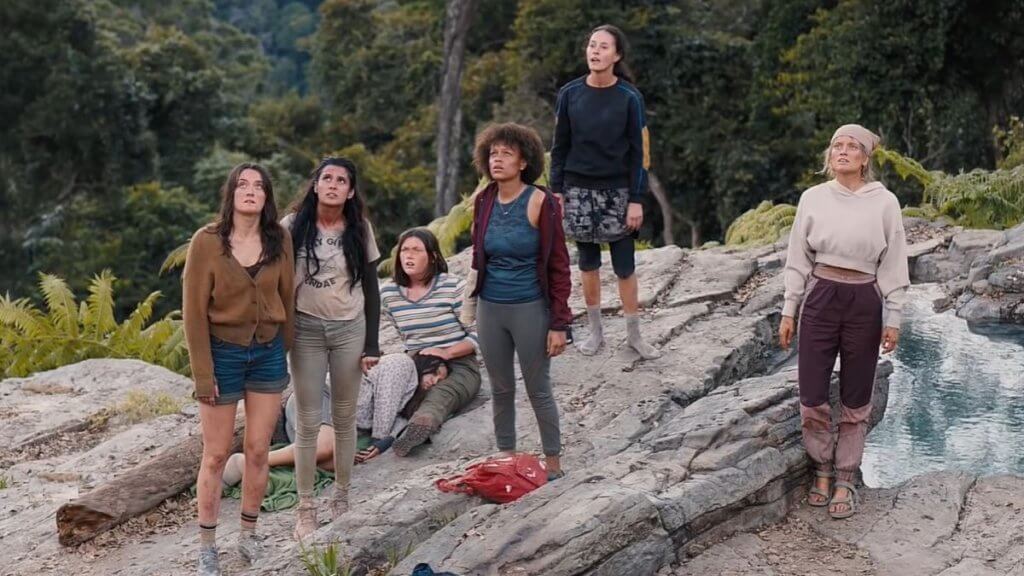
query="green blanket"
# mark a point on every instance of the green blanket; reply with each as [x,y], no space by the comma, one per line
[282,492]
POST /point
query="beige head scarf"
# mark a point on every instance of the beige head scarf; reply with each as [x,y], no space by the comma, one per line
[866,138]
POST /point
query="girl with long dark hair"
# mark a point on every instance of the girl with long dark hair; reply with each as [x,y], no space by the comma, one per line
[237,305]
[599,168]
[337,307]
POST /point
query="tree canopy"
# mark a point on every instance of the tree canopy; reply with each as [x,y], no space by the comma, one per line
[121,118]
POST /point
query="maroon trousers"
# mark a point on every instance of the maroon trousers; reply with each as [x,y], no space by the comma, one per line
[845,319]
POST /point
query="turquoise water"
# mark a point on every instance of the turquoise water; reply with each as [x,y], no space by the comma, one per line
[956,399]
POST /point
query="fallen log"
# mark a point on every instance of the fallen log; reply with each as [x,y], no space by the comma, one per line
[135,492]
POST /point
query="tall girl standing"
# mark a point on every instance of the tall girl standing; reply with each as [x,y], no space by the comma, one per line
[337,306]
[599,167]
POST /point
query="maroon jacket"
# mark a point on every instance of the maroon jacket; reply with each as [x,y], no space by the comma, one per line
[552,262]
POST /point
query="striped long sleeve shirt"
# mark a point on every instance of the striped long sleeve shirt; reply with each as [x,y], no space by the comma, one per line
[431,321]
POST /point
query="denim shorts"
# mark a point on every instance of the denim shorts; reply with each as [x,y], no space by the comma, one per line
[258,367]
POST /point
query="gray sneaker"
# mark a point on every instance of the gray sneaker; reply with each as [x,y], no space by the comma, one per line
[250,547]
[208,564]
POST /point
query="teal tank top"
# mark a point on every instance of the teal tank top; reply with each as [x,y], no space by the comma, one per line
[511,245]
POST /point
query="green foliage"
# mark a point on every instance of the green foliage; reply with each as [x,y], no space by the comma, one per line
[761,225]
[128,234]
[981,198]
[5,481]
[928,212]
[323,560]
[139,406]
[107,97]
[396,198]
[1010,141]
[32,340]
[976,199]
[375,63]
[906,168]
[394,555]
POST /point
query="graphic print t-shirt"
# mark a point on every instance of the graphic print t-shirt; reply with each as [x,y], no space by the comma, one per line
[327,294]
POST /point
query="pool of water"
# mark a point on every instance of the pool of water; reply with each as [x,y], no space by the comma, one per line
[956,399]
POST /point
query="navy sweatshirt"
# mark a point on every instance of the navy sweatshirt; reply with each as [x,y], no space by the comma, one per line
[600,138]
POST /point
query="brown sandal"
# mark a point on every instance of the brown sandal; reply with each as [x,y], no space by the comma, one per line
[815,491]
[850,500]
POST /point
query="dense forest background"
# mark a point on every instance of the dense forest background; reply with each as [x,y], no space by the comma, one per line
[121,118]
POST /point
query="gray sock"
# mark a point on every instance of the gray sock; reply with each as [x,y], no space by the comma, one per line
[645,350]
[593,343]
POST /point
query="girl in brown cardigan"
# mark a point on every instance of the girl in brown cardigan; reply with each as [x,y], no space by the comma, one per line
[237,306]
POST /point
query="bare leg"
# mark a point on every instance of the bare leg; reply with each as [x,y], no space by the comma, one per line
[324,451]
[218,425]
[261,413]
[592,295]
[628,293]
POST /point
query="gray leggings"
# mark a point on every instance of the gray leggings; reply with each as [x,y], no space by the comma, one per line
[318,344]
[506,330]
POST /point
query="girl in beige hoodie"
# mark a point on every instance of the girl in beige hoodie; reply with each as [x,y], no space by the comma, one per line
[846,274]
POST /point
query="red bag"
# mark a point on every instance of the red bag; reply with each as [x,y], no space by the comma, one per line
[500,480]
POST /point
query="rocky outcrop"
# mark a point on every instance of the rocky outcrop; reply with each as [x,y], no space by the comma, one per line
[983,270]
[939,524]
[726,462]
[993,290]
[664,457]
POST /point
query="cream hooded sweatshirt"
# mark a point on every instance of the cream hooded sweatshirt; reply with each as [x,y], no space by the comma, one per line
[860,230]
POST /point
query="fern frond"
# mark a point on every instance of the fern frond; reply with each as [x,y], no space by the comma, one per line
[101,305]
[131,329]
[60,302]
[175,259]
[906,167]
[22,316]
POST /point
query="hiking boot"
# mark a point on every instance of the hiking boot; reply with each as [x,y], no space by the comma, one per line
[250,547]
[418,431]
[208,563]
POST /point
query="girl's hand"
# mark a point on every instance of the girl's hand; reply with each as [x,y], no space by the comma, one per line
[556,342]
[890,337]
[210,400]
[369,362]
[786,329]
[634,216]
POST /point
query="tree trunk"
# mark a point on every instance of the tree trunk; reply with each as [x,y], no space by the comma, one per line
[135,492]
[458,17]
[695,235]
[667,232]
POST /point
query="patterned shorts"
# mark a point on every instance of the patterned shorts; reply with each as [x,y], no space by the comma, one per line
[596,216]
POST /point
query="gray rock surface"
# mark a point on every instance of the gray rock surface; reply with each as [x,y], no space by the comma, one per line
[664,457]
[938,524]
[35,407]
[994,288]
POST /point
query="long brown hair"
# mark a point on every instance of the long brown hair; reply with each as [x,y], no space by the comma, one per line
[621,69]
[271,234]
